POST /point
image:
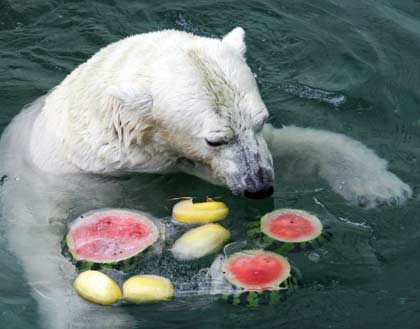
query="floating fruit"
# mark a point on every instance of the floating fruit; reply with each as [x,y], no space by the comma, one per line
[200,241]
[256,270]
[287,230]
[109,238]
[191,212]
[252,278]
[147,288]
[97,288]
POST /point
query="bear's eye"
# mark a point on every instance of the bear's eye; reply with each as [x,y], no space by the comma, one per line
[215,143]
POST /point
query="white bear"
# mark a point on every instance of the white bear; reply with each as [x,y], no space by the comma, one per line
[154,103]
[170,101]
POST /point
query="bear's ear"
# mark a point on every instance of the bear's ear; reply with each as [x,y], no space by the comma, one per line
[236,40]
[131,97]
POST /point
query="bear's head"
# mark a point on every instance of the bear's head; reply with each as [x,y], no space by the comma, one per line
[205,110]
[213,115]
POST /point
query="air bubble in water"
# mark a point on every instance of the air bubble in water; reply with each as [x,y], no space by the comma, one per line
[314,257]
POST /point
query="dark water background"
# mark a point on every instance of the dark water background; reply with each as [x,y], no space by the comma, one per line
[347,66]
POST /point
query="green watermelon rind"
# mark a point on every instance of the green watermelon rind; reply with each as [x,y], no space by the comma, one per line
[119,263]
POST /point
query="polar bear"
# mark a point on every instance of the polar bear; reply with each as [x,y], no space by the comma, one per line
[155,103]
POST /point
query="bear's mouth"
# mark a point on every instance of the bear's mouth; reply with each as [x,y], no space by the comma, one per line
[200,170]
[235,181]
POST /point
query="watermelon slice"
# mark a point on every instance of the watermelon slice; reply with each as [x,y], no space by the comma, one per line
[289,230]
[109,238]
[246,278]
[256,270]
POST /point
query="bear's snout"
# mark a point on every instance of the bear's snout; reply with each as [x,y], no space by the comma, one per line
[258,185]
[264,192]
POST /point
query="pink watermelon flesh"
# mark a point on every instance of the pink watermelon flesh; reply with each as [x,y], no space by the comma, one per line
[291,227]
[111,236]
[256,270]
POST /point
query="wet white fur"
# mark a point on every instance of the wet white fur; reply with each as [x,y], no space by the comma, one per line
[94,121]
[350,168]
[35,210]
[147,103]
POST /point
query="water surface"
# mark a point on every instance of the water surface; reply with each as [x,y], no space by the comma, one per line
[347,66]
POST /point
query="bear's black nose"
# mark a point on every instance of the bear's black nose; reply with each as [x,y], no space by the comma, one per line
[265,192]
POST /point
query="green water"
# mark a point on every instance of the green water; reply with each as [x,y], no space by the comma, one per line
[346,66]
